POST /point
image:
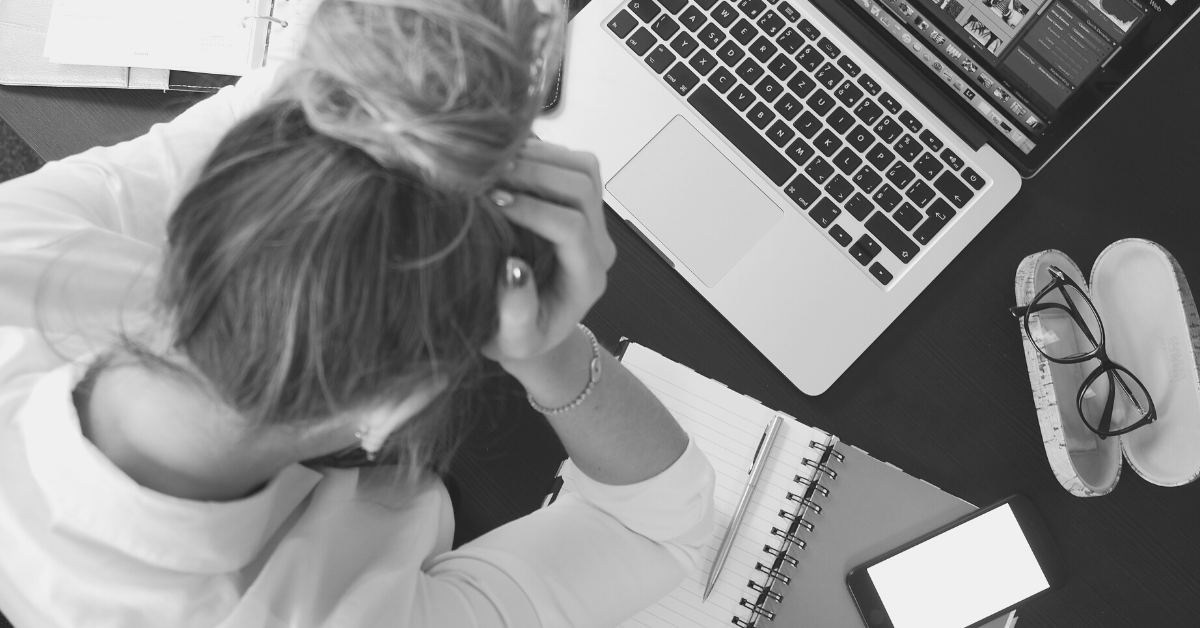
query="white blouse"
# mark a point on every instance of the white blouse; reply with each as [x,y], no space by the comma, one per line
[81,544]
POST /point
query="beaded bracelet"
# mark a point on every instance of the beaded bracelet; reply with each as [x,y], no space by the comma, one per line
[594,378]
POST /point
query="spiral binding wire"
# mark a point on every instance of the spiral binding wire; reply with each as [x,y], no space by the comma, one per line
[789,535]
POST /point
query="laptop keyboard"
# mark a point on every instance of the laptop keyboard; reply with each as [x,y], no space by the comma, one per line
[847,153]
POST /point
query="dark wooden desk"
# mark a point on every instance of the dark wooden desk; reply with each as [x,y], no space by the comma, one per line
[943,393]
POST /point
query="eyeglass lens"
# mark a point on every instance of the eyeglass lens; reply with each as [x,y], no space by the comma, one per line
[1117,394]
[1063,324]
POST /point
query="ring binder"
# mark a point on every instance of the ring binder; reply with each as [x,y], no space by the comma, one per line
[781,554]
[812,484]
[827,449]
[796,518]
[758,610]
[800,499]
[821,468]
[774,573]
[269,18]
[790,538]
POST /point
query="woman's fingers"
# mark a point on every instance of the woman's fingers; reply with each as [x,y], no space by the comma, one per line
[520,334]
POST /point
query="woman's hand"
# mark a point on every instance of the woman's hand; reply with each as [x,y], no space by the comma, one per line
[555,193]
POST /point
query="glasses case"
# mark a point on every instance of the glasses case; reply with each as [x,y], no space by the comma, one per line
[1151,327]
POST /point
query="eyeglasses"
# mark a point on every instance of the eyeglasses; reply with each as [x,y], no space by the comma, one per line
[1067,334]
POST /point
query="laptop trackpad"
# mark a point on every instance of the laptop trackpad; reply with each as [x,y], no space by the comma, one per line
[697,203]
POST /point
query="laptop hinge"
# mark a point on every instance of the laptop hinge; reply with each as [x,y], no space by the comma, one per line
[922,86]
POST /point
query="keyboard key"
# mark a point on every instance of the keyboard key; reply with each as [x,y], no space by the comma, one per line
[749,71]
[868,112]
[741,97]
[722,80]
[809,30]
[847,161]
[763,49]
[910,121]
[888,130]
[810,59]
[768,89]
[840,236]
[789,12]
[908,216]
[674,6]
[692,19]
[827,142]
[880,156]
[819,170]
[865,250]
[953,189]
[684,45]
[867,179]
[730,54]
[752,7]
[952,160]
[839,188]
[849,66]
[771,23]
[928,166]
[801,84]
[703,63]
[647,10]
[892,237]
[660,59]
[920,193]
[859,207]
[787,107]
[665,27]
[900,175]
[825,212]
[780,133]
[887,197]
[808,124]
[973,179]
[848,93]
[781,66]
[936,218]
[802,191]
[828,48]
[820,102]
[759,151]
[907,148]
[622,23]
[889,103]
[869,84]
[640,42]
[681,79]
[931,140]
[724,14]
[790,41]
[860,138]
[743,31]
[829,76]
[760,115]
[711,36]
[881,273]
[800,152]
[705,4]
[840,120]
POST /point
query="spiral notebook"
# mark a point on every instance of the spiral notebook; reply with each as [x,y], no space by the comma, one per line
[820,508]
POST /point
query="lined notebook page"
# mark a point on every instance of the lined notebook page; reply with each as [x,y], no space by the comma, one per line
[200,36]
[728,427]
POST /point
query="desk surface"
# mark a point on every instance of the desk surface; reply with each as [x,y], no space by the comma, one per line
[943,393]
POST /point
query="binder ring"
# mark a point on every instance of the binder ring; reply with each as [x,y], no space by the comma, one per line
[788,558]
[820,467]
[827,449]
[738,621]
[774,573]
[796,519]
[761,589]
[816,486]
[269,18]
[800,499]
[757,609]
[792,538]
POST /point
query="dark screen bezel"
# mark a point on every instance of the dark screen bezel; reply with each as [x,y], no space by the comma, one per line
[1137,48]
[866,597]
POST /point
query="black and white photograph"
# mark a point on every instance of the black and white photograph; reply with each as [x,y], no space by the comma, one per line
[984,35]
[1011,11]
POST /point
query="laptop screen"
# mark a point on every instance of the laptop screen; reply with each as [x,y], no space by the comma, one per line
[1032,71]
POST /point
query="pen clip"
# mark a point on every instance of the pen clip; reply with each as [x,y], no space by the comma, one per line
[758,450]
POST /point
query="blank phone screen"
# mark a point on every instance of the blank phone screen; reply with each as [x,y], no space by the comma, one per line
[960,576]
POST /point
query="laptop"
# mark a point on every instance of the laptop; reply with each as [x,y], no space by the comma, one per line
[810,166]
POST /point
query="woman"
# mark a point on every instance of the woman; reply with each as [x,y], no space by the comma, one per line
[305,264]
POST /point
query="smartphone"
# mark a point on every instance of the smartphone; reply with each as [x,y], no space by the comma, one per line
[962,575]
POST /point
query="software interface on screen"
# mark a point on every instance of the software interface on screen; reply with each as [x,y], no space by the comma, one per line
[960,576]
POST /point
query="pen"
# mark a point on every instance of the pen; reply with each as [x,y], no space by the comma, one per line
[756,468]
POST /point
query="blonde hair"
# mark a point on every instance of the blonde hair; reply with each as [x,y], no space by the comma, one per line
[448,87]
